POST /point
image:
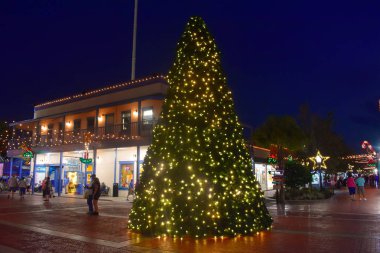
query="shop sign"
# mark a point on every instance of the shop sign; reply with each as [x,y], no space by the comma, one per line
[28,154]
[85,160]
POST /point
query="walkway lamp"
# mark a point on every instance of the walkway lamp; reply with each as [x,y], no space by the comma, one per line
[319,163]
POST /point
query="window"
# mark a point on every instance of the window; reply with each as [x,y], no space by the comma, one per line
[50,133]
[126,120]
[147,121]
[38,133]
[77,126]
[60,130]
[109,123]
[147,116]
[126,174]
[90,124]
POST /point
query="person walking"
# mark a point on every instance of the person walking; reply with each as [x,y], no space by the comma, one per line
[96,193]
[332,184]
[130,189]
[360,181]
[28,182]
[351,186]
[66,184]
[12,184]
[89,196]
[22,186]
[46,189]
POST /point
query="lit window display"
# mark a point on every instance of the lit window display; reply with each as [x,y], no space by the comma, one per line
[126,174]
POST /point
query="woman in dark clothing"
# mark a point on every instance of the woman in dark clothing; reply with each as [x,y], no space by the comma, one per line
[96,193]
[46,186]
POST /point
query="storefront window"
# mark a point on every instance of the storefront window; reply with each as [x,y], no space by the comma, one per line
[126,174]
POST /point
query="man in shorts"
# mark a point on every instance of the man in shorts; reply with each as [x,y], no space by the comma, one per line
[360,184]
[12,184]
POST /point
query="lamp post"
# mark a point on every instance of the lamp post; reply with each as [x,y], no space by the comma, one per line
[318,160]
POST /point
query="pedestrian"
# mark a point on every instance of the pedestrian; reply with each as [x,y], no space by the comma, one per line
[22,186]
[12,184]
[96,193]
[89,196]
[360,181]
[351,186]
[66,184]
[332,184]
[46,188]
[130,189]
[28,182]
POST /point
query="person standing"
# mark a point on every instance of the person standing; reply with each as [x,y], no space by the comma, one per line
[360,181]
[66,184]
[28,182]
[351,186]
[46,189]
[332,183]
[22,186]
[130,189]
[12,184]
[96,193]
[89,196]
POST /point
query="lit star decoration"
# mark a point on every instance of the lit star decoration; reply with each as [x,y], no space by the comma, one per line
[197,178]
[323,160]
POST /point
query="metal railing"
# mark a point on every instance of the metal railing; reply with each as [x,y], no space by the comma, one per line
[111,132]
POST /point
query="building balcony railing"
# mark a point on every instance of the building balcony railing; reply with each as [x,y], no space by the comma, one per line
[122,132]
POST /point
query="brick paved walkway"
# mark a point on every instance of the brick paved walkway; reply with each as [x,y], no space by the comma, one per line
[334,225]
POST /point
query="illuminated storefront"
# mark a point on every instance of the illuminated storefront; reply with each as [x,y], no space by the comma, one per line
[264,175]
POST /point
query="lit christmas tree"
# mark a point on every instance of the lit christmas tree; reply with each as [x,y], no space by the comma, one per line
[197,178]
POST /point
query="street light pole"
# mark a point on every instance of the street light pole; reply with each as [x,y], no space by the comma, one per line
[133,72]
[318,159]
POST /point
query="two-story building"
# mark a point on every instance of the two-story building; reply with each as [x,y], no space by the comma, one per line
[105,131]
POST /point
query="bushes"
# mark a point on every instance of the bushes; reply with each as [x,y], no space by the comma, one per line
[306,194]
[296,175]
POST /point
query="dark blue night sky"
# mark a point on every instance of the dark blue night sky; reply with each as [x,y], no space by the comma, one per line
[277,54]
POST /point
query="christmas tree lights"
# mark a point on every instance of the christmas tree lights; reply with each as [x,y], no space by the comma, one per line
[197,178]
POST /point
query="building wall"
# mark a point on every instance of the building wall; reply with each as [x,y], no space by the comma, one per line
[105,164]
[69,124]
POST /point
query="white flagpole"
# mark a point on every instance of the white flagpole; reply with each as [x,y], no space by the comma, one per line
[134,43]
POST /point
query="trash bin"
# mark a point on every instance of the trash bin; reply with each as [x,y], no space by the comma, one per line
[115,191]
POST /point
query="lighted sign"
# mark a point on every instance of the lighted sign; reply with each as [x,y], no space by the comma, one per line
[28,154]
[85,160]
[272,159]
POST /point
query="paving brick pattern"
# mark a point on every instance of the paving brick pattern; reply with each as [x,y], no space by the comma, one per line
[62,225]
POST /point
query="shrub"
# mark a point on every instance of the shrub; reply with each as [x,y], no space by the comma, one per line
[306,194]
[296,175]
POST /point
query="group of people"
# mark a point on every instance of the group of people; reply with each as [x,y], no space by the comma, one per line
[22,184]
[356,183]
